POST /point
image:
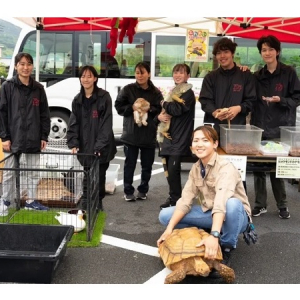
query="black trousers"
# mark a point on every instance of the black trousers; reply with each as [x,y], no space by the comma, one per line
[173,163]
[147,156]
[260,187]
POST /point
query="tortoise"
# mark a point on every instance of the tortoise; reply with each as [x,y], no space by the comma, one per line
[180,254]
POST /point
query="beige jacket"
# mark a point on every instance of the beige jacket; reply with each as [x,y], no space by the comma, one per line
[222,181]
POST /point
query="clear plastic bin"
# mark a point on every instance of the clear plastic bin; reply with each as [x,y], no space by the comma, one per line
[111,178]
[290,135]
[240,139]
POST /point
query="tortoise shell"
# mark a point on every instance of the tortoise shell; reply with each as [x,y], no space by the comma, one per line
[181,244]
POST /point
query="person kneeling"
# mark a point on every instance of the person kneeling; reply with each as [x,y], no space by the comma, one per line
[223,208]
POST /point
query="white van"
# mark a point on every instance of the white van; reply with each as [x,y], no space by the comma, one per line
[62,53]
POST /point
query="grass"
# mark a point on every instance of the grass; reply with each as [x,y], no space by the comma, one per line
[78,239]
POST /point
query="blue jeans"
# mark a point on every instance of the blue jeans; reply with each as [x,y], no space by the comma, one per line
[236,220]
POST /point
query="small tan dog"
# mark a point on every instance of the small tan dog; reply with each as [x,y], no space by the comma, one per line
[140,111]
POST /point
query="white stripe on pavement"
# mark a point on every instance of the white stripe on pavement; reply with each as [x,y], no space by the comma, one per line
[159,278]
[137,247]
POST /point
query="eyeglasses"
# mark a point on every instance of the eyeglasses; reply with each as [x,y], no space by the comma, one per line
[209,124]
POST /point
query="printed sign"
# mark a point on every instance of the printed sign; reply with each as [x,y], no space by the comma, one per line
[240,162]
[196,45]
[288,167]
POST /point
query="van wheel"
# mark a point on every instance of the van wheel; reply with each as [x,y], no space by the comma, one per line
[59,125]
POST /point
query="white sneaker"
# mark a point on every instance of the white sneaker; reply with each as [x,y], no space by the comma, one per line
[3,208]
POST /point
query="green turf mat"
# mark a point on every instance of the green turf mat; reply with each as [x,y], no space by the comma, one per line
[78,239]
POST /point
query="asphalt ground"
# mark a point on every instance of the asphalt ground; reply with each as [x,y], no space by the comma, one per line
[128,254]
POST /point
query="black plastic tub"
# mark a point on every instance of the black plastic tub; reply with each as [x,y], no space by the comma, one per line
[31,253]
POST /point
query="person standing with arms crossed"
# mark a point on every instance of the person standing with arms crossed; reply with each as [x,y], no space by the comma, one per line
[181,117]
[138,139]
[278,92]
[24,129]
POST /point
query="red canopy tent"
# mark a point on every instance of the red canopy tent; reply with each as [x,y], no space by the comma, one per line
[285,29]
[74,23]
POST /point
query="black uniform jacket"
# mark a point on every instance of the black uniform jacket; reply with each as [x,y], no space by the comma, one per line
[224,88]
[90,126]
[283,82]
[144,136]
[181,127]
[24,115]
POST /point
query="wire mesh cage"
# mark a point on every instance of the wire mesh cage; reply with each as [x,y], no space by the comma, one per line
[51,188]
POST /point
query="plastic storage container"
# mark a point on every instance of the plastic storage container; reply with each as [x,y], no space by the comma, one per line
[290,135]
[31,253]
[272,148]
[111,178]
[240,139]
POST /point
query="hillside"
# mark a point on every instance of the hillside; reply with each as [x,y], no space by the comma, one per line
[9,34]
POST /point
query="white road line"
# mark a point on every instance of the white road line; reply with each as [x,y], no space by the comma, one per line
[159,278]
[123,158]
[137,247]
[141,248]
[137,177]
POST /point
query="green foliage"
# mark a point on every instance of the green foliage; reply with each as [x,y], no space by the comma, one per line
[9,37]
[3,71]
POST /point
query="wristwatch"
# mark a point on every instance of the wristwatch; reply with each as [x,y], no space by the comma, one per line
[215,234]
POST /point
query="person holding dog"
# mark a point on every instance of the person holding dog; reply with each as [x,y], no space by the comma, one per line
[138,139]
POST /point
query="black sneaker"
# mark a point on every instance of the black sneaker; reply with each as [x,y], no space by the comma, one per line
[284,213]
[129,197]
[257,211]
[141,196]
[169,202]
[226,253]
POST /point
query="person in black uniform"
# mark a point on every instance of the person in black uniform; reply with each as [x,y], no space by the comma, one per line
[24,129]
[229,86]
[90,129]
[278,93]
[181,117]
[138,138]
[228,93]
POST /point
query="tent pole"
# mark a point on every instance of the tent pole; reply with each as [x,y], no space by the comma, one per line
[37,62]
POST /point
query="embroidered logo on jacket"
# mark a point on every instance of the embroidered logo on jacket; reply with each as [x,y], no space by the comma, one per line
[36,102]
[95,114]
[279,87]
[237,87]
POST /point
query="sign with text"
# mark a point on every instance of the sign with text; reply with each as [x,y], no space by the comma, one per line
[240,162]
[196,46]
[288,167]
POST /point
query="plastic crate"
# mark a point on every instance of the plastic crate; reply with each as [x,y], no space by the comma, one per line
[291,135]
[240,139]
[111,178]
[31,253]
[273,148]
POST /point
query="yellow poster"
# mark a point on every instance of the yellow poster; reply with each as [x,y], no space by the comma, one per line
[196,45]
